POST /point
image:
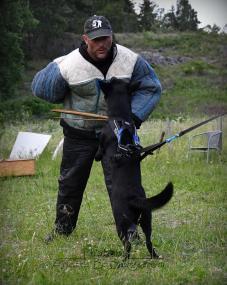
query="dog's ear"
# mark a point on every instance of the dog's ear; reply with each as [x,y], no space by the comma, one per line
[119,81]
[134,86]
[104,85]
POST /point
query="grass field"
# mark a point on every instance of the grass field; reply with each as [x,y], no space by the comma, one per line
[190,232]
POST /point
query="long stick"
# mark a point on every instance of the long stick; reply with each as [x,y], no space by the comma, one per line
[83,114]
[149,149]
[78,119]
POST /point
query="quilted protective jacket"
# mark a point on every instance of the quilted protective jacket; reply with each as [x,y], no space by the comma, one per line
[74,81]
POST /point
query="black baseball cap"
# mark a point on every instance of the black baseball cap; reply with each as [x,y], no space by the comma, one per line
[97,26]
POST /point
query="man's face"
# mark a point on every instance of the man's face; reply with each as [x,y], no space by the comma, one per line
[99,48]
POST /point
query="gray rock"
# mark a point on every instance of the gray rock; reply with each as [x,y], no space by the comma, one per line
[156,58]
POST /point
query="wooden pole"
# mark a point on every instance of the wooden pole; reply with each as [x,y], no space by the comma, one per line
[78,113]
[161,139]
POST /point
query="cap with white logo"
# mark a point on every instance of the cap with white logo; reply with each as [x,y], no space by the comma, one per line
[97,26]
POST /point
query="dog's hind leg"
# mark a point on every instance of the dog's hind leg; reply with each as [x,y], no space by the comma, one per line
[145,223]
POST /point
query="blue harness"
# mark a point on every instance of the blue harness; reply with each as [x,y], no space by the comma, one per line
[127,138]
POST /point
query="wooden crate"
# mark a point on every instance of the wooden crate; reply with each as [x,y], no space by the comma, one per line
[18,167]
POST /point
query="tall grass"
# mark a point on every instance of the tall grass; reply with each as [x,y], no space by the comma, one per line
[177,43]
[189,232]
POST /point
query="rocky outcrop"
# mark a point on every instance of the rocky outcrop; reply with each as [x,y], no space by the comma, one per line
[156,58]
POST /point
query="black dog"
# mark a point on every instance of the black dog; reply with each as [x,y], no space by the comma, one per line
[119,143]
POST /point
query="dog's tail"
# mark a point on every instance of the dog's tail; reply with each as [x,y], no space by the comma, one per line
[160,199]
[156,201]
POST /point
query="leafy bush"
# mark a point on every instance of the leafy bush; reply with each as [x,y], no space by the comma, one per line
[197,67]
[23,108]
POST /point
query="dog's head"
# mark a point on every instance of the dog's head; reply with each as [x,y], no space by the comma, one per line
[121,129]
[118,97]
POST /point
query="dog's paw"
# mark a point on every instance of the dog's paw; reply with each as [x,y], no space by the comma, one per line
[158,257]
[155,255]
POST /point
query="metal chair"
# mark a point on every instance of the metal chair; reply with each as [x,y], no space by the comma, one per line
[205,142]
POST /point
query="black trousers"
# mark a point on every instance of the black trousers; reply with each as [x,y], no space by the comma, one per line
[77,160]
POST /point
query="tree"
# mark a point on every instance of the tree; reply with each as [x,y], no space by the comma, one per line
[53,17]
[121,15]
[186,16]
[15,17]
[30,23]
[147,15]
[193,20]
[169,19]
[130,23]
[79,12]
[212,29]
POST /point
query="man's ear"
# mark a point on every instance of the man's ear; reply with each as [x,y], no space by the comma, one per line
[84,38]
[134,86]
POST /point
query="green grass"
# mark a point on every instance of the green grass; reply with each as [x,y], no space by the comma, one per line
[190,232]
[177,43]
[192,88]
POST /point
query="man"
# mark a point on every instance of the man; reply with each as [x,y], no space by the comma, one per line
[74,80]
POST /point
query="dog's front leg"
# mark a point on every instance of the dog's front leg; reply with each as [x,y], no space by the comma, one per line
[127,248]
[131,232]
[125,237]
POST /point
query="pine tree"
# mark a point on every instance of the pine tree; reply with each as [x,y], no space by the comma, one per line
[130,23]
[121,15]
[169,19]
[79,12]
[53,17]
[15,19]
[128,7]
[147,15]
[186,16]
[193,20]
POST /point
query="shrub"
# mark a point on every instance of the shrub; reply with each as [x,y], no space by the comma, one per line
[197,67]
[23,108]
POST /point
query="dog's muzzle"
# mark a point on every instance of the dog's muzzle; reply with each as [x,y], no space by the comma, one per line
[127,152]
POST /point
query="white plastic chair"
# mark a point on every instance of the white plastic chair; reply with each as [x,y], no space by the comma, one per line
[205,142]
